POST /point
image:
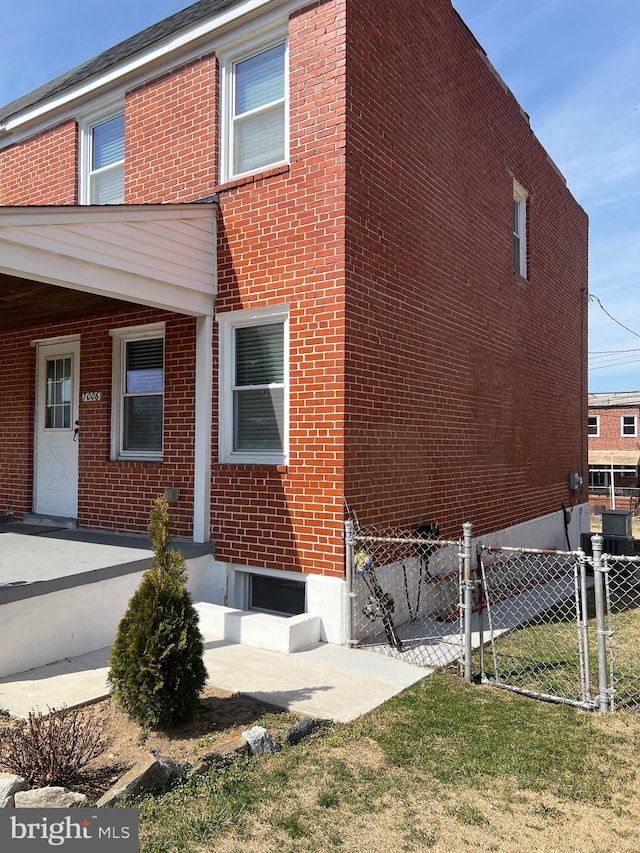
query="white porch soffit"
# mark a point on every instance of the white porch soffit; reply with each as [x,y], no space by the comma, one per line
[615,457]
[157,255]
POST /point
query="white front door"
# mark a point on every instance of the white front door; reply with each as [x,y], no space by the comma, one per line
[57,433]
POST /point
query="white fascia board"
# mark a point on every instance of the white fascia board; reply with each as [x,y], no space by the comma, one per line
[81,214]
[163,53]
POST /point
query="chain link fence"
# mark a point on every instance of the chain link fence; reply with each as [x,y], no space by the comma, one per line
[405,594]
[622,596]
[557,625]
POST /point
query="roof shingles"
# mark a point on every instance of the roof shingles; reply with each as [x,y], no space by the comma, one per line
[108,58]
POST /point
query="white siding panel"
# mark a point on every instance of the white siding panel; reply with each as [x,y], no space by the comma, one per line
[98,244]
[152,254]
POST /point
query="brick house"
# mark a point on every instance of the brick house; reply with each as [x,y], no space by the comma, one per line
[614,450]
[273,256]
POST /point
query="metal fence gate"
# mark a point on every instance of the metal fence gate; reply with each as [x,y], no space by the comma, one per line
[621,629]
[534,606]
[404,590]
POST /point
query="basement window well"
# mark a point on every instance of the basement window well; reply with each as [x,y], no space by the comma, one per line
[280,596]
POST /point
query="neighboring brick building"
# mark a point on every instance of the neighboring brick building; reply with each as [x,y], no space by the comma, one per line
[614,450]
[335,265]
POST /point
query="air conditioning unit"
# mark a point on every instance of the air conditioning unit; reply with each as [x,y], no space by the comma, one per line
[618,546]
[616,522]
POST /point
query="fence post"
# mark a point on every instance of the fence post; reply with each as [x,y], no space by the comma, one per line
[603,686]
[348,617]
[467,529]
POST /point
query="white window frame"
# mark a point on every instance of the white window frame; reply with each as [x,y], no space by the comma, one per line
[228,57]
[520,198]
[120,338]
[623,433]
[595,434]
[85,128]
[228,322]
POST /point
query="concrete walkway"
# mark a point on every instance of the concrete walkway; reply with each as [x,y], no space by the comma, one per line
[324,681]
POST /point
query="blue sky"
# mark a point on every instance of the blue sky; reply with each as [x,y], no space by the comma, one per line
[574,66]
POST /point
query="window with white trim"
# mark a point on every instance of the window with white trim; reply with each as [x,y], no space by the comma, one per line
[254,110]
[102,177]
[594,425]
[629,425]
[138,393]
[254,386]
[519,230]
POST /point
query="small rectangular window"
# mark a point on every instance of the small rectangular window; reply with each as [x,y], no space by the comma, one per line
[138,394]
[628,425]
[594,425]
[281,596]
[103,160]
[258,394]
[519,209]
[144,386]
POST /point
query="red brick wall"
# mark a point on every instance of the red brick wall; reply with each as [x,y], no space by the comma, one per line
[281,241]
[171,134]
[610,437]
[41,170]
[17,399]
[466,387]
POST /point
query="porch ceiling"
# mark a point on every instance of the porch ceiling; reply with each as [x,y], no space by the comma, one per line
[157,255]
[27,303]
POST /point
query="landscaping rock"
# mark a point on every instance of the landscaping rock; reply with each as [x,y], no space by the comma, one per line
[9,785]
[49,798]
[301,730]
[224,751]
[149,775]
[260,741]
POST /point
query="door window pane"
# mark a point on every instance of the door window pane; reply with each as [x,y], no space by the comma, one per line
[59,390]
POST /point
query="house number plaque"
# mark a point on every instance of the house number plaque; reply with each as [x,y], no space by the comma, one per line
[91,396]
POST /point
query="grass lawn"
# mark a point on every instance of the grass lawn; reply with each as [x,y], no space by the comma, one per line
[445,766]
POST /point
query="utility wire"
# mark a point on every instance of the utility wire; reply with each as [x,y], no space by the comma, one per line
[594,298]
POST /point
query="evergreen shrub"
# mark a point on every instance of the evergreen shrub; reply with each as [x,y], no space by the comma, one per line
[156,666]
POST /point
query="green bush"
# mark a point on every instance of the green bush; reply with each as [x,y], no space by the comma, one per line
[156,665]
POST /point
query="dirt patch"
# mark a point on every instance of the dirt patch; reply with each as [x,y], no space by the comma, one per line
[219,713]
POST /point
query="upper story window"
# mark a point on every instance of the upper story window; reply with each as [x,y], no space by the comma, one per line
[629,425]
[255,111]
[137,422]
[594,425]
[254,386]
[102,175]
[519,230]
